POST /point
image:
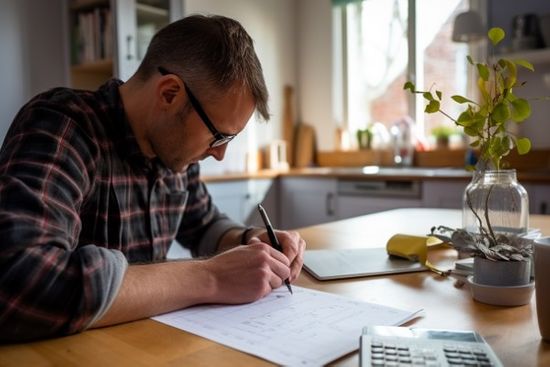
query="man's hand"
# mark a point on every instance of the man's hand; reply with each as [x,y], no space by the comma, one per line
[246,273]
[293,247]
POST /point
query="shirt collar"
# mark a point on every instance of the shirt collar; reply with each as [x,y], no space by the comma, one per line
[123,136]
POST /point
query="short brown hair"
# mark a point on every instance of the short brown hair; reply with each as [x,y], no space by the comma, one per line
[208,52]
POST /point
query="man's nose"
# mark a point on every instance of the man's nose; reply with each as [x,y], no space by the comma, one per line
[218,152]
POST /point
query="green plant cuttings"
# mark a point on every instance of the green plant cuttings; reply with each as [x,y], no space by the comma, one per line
[505,248]
[486,122]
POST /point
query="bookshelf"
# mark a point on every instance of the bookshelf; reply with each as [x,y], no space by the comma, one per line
[110,37]
[92,46]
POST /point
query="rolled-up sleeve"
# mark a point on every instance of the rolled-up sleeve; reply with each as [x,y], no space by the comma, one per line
[49,284]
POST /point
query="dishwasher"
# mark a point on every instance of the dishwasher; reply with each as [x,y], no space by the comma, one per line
[359,197]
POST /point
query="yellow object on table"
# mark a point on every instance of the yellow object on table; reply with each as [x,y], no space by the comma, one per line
[414,248]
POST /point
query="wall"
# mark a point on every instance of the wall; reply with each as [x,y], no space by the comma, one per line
[315,95]
[14,87]
[271,24]
[33,56]
[501,14]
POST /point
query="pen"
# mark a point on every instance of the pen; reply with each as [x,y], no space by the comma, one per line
[272,238]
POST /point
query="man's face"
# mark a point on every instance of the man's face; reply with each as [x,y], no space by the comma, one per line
[181,136]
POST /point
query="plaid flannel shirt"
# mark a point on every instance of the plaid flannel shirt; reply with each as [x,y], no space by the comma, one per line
[78,202]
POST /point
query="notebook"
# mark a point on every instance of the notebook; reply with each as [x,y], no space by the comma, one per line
[351,263]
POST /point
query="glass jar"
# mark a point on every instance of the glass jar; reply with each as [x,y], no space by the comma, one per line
[498,197]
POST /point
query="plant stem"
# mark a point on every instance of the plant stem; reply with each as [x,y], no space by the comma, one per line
[489,226]
[448,116]
[470,205]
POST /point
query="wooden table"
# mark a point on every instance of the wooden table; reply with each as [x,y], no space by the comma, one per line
[511,331]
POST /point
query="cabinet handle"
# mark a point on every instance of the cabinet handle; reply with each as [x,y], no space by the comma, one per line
[330,204]
[543,208]
[129,47]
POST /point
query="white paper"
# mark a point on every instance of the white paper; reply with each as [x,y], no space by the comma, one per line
[308,328]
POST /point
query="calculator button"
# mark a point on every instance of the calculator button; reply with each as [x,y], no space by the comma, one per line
[377,356]
[377,363]
[470,363]
[449,348]
[391,358]
[452,355]
[454,360]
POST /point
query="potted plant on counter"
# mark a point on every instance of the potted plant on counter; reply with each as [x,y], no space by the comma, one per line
[495,205]
[442,135]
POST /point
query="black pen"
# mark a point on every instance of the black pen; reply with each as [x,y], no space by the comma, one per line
[272,238]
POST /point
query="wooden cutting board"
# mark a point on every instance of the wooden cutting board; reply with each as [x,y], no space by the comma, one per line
[304,145]
[288,123]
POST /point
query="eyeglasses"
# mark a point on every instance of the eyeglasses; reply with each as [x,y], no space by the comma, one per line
[219,138]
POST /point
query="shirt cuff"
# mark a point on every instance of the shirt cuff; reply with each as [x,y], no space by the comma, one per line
[209,242]
[118,265]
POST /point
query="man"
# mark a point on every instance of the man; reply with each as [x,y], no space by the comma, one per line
[95,186]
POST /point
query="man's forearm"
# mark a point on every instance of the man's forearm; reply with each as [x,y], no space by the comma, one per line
[152,289]
[234,237]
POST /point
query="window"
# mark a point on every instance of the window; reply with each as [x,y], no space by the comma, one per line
[380,49]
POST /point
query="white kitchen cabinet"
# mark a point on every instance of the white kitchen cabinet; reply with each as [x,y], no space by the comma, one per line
[136,23]
[239,199]
[307,201]
[443,194]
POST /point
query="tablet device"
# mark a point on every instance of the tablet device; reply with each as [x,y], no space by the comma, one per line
[351,263]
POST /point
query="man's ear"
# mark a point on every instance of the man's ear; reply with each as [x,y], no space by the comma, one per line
[168,89]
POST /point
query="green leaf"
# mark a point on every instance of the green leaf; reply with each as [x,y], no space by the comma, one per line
[469,58]
[474,144]
[428,96]
[510,81]
[470,131]
[465,119]
[501,113]
[439,94]
[410,86]
[460,99]
[483,71]
[523,145]
[526,64]
[496,35]
[483,88]
[432,107]
[520,109]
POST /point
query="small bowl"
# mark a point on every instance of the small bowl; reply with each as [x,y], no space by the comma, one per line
[500,295]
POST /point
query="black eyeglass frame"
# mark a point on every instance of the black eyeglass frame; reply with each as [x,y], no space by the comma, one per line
[219,138]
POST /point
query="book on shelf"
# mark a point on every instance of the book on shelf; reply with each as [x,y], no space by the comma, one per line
[92,35]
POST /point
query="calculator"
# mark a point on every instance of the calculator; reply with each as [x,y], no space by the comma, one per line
[403,346]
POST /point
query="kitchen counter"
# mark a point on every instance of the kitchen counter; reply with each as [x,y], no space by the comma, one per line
[375,173]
